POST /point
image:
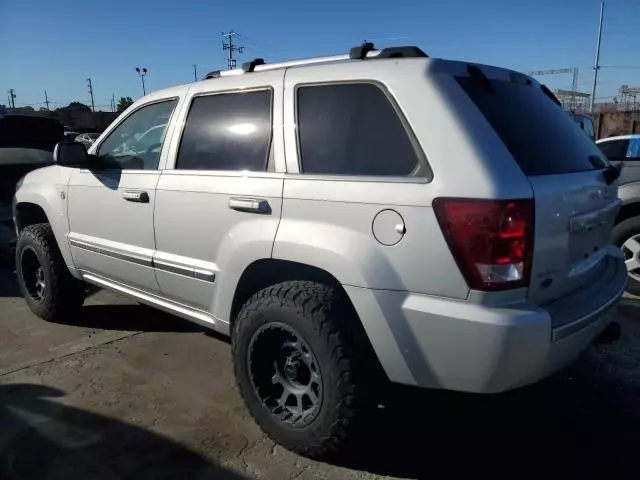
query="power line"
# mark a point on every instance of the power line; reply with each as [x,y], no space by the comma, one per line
[230,48]
[629,67]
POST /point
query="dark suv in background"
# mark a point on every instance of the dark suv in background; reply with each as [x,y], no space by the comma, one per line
[26,143]
[586,124]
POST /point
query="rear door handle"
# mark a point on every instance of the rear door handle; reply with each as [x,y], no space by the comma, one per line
[250,205]
[135,196]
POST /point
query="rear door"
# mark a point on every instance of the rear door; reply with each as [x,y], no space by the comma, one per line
[574,207]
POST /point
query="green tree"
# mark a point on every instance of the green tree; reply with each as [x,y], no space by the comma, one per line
[124,103]
[75,106]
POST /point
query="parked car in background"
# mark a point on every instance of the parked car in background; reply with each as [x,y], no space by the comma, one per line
[411,228]
[70,136]
[585,122]
[623,152]
[26,143]
[87,139]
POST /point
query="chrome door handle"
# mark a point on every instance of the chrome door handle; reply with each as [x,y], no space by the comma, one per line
[251,205]
[135,196]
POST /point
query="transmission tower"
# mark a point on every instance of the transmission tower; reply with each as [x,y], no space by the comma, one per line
[570,98]
[230,48]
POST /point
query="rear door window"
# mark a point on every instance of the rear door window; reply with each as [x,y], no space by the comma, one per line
[227,131]
[542,138]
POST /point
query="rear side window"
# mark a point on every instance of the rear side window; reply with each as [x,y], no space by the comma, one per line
[543,139]
[615,149]
[229,131]
[352,129]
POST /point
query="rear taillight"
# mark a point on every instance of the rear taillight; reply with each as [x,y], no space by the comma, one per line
[490,240]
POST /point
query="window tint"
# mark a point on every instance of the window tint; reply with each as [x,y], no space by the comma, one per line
[229,131]
[135,144]
[352,129]
[542,138]
[615,149]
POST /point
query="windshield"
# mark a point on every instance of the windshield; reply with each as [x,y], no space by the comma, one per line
[542,138]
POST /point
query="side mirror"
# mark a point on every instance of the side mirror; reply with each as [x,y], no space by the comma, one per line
[70,154]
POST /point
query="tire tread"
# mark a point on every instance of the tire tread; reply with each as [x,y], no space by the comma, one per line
[325,308]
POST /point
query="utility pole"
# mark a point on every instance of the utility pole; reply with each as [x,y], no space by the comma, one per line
[93,106]
[12,98]
[142,73]
[113,102]
[46,100]
[195,72]
[596,67]
[230,48]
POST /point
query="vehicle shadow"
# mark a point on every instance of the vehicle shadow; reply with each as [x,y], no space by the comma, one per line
[8,282]
[134,318]
[42,439]
[583,423]
[109,317]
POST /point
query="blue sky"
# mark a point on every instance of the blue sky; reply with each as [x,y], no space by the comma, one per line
[57,44]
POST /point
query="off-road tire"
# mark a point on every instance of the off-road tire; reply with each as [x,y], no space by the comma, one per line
[64,294]
[325,320]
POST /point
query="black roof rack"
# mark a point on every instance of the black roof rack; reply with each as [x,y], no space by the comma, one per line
[402,52]
[360,52]
[214,74]
[251,66]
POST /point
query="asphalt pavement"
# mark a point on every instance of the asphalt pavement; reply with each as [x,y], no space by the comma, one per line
[124,392]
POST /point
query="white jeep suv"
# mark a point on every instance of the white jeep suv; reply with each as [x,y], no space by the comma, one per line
[377,215]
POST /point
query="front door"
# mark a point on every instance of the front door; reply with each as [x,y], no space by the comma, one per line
[218,208]
[111,204]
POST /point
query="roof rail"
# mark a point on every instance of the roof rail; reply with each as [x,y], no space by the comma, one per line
[251,66]
[402,52]
[361,52]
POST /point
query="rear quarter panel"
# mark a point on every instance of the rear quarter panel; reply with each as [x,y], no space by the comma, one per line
[327,220]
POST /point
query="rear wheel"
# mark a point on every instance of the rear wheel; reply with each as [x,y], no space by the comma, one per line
[304,375]
[44,280]
[626,235]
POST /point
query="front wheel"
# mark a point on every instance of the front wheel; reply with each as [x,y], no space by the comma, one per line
[303,373]
[44,280]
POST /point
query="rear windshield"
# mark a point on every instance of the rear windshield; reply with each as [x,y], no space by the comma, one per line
[543,139]
[30,132]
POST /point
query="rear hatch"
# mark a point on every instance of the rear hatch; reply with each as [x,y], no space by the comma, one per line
[575,204]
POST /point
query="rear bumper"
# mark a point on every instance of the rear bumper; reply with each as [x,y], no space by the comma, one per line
[443,343]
